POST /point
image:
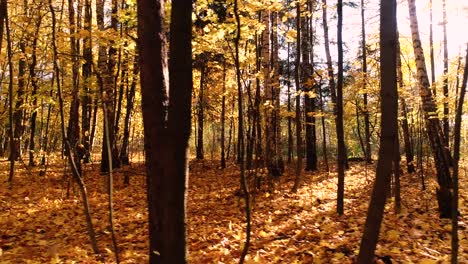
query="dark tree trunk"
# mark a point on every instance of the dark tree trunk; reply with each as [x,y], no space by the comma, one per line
[298,179]
[309,100]
[368,150]
[166,139]
[290,132]
[124,158]
[6,22]
[243,178]
[389,121]
[339,115]
[86,107]
[200,114]
[18,114]
[223,119]
[445,79]
[35,87]
[456,158]
[73,130]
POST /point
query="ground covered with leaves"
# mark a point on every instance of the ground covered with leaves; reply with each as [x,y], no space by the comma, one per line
[39,223]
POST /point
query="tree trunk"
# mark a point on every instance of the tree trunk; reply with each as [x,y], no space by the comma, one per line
[35,87]
[75,171]
[309,98]
[298,178]
[18,114]
[86,100]
[339,115]
[10,92]
[456,158]
[166,139]
[290,132]
[404,122]
[200,114]
[368,150]
[73,130]
[431,47]
[244,183]
[441,154]
[124,158]
[276,167]
[223,119]
[445,79]
[389,123]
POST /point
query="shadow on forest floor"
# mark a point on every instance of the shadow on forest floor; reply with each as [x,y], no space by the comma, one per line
[39,224]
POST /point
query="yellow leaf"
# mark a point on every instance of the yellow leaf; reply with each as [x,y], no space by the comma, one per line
[393,235]
[42,242]
[263,234]
[339,255]
[428,261]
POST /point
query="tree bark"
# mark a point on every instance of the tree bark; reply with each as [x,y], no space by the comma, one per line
[445,121]
[368,150]
[442,157]
[389,132]
[166,139]
[200,114]
[456,158]
[339,115]
[309,97]
[86,108]
[297,73]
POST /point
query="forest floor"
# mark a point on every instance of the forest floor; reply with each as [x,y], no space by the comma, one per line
[39,224]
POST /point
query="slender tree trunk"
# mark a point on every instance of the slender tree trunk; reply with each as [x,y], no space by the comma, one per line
[73,131]
[389,123]
[431,48]
[86,100]
[441,154]
[290,132]
[368,150]
[10,93]
[446,126]
[18,113]
[456,158]
[277,166]
[298,179]
[404,122]
[339,115]
[324,130]
[35,87]
[243,178]
[223,118]
[200,114]
[128,113]
[75,171]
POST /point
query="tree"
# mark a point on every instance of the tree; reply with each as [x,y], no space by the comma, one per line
[339,115]
[166,136]
[442,157]
[389,132]
[368,153]
[309,97]
[404,112]
[456,158]
[445,78]
[297,74]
